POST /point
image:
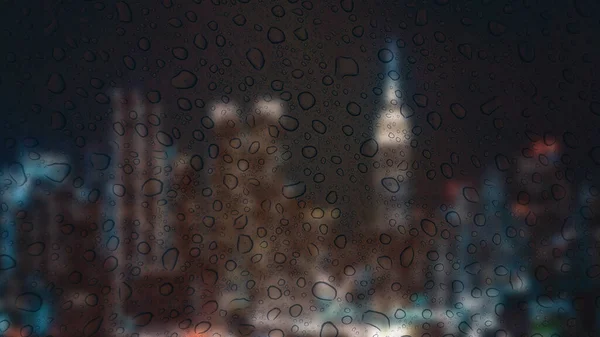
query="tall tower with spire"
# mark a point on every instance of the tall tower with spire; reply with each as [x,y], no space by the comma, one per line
[392,179]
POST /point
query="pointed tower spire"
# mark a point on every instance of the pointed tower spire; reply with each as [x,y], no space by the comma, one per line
[391,179]
[392,134]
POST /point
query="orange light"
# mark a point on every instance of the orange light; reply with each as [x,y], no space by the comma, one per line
[520,210]
[540,147]
[13,332]
[452,189]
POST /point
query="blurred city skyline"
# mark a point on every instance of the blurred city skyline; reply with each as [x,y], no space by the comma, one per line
[342,169]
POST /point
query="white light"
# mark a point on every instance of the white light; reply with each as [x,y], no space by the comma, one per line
[395,331]
[222,112]
[271,109]
[390,127]
[34,170]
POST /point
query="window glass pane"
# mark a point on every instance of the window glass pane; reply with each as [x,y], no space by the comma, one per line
[297,168]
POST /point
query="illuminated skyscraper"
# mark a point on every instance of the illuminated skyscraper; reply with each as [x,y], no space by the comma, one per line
[392,179]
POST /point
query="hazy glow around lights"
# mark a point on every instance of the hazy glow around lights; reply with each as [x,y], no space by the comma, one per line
[389,127]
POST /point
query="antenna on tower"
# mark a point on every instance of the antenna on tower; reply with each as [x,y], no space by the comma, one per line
[392,125]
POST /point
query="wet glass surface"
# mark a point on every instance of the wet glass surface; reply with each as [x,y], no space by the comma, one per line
[300,168]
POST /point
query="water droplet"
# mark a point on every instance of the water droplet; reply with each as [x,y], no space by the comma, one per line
[124,11]
[200,41]
[353,109]
[185,79]
[275,35]
[324,291]
[56,83]
[256,58]
[7,262]
[369,148]
[328,329]
[92,326]
[407,256]
[100,161]
[346,66]
[470,194]
[170,258]
[429,227]
[306,100]
[143,319]
[294,190]
[30,302]
[230,181]
[57,172]
[385,55]
[435,120]
[376,319]
[152,187]
[390,184]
